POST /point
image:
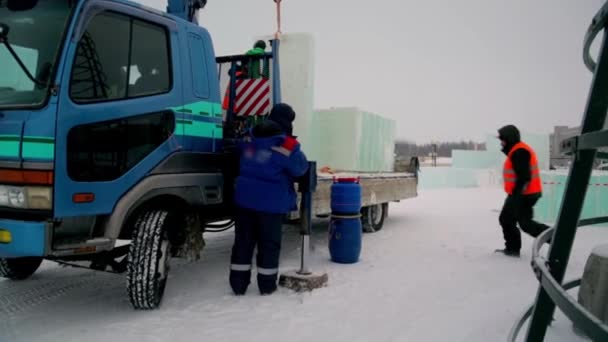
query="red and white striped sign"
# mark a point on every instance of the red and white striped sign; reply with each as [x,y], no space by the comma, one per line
[252,97]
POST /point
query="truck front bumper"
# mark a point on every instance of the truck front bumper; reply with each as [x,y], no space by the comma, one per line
[23,239]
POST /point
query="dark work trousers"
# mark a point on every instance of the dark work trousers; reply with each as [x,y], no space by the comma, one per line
[519,211]
[263,230]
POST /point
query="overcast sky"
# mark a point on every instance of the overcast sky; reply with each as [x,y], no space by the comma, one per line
[442,69]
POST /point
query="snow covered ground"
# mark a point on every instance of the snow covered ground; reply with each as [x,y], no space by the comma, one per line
[429,275]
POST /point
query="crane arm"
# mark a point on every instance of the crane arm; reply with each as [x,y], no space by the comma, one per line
[186,9]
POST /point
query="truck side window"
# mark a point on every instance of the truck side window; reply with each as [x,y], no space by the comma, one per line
[105,151]
[97,72]
[120,57]
[198,54]
[151,56]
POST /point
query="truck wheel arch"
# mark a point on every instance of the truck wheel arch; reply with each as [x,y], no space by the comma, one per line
[172,190]
[164,201]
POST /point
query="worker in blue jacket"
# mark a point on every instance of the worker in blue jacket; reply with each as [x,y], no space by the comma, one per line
[270,161]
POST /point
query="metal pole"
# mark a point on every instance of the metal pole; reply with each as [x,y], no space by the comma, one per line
[304,269]
[232,93]
[307,187]
[276,72]
[574,196]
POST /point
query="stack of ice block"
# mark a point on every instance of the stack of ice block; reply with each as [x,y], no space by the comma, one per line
[296,56]
[341,138]
[351,139]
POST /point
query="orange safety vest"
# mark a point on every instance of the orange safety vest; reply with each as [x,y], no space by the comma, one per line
[535,184]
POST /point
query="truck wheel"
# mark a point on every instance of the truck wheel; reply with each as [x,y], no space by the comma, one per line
[19,268]
[372,217]
[148,260]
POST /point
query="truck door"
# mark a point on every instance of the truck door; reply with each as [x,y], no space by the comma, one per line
[115,120]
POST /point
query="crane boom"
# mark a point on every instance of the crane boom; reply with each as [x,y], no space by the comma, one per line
[186,9]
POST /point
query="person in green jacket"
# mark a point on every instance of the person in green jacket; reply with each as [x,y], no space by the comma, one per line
[253,67]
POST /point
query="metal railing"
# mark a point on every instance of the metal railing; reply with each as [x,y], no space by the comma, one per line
[580,316]
[550,271]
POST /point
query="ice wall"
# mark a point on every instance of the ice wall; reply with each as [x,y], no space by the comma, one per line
[447,177]
[493,158]
[554,185]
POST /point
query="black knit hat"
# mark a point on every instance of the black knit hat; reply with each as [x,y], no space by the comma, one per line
[284,116]
[260,44]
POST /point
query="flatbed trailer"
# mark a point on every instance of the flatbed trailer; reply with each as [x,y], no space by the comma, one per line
[378,190]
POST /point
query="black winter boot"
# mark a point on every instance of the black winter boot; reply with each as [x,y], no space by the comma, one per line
[508,252]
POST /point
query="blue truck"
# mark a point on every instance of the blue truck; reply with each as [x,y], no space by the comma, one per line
[113,128]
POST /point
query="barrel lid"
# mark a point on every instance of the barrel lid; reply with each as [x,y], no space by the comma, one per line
[346,179]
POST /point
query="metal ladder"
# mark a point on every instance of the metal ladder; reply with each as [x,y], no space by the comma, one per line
[550,271]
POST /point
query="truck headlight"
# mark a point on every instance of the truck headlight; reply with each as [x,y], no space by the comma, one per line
[26,197]
[3,196]
[16,197]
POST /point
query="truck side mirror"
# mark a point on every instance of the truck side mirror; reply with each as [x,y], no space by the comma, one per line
[3,32]
[21,5]
[200,4]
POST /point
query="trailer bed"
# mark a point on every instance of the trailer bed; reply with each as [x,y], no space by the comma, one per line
[377,188]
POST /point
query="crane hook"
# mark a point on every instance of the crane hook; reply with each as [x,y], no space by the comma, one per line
[278,33]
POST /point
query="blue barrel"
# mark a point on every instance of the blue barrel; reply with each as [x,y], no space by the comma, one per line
[345,239]
[346,196]
[345,227]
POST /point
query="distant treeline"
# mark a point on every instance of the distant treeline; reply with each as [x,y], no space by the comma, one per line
[444,149]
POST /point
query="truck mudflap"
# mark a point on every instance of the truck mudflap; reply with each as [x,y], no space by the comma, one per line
[22,239]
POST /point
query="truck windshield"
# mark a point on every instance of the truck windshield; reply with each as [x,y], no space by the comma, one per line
[35,36]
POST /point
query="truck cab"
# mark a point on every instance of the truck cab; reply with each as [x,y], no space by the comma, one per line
[111,128]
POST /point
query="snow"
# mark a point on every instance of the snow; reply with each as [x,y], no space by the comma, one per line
[429,275]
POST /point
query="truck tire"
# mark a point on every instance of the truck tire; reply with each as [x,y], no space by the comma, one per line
[19,268]
[148,260]
[372,217]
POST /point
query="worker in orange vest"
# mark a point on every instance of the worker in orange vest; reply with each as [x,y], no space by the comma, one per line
[523,186]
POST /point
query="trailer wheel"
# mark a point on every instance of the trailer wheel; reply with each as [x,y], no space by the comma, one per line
[148,260]
[19,268]
[372,217]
